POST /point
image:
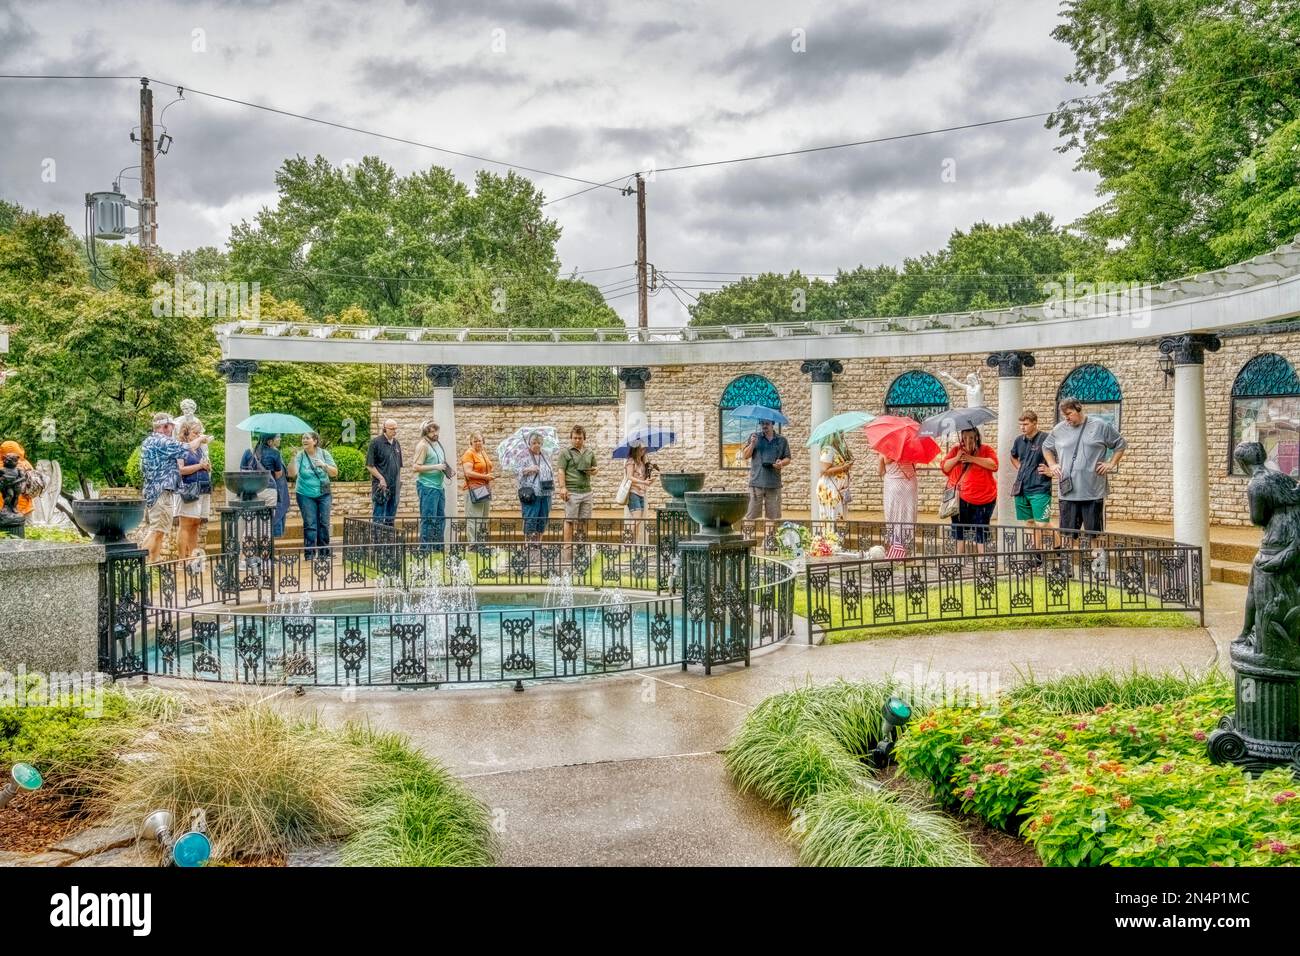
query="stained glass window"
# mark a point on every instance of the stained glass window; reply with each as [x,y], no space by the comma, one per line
[1096,387]
[1266,409]
[916,394]
[734,431]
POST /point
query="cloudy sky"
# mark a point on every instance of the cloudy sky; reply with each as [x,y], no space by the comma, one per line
[590,89]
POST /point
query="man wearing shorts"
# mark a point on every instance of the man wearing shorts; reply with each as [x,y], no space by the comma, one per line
[162,480]
[1033,484]
[1076,451]
[767,453]
[577,464]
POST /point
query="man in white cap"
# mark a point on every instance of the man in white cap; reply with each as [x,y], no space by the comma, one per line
[162,479]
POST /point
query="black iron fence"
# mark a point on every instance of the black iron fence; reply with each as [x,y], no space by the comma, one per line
[415,616]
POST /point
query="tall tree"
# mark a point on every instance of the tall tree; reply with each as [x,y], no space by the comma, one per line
[1193,131]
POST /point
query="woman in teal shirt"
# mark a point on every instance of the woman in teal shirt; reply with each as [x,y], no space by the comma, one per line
[313,467]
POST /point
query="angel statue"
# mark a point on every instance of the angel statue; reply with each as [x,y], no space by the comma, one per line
[973,387]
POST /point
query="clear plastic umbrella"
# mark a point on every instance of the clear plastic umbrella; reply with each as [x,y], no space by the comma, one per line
[514,454]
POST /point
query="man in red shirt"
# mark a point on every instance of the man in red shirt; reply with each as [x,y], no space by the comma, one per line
[970,465]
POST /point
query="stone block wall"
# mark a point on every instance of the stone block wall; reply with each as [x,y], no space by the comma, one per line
[685,398]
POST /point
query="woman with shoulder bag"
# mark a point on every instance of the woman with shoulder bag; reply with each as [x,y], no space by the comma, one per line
[536,486]
[194,502]
[636,475]
[477,469]
[970,465]
[312,468]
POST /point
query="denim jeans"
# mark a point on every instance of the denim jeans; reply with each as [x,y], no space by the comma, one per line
[385,512]
[536,514]
[433,510]
[315,524]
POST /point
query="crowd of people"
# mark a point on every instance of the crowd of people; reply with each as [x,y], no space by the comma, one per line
[1078,455]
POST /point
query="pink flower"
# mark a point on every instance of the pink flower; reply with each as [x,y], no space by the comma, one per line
[1018,741]
[1049,752]
[966,739]
[1060,735]
[968,794]
[1199,735]
[1284,796]
[967,758]
[996,741]
[1277,846]
[1167,768]
[1081,725]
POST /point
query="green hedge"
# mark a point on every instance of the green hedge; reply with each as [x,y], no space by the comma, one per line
[351,462]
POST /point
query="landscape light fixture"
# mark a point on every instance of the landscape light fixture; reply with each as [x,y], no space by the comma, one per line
[896,713]
[189,849]
[23,776]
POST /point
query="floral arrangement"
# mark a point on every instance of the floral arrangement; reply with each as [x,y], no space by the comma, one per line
[824,544]
[793,539]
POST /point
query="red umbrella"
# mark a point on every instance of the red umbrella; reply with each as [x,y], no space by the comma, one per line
[896,437]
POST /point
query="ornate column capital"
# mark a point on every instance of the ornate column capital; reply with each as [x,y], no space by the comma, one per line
[237,371]
[443,376]
[1190,348]
[822,370]
[1010,364]
[634,377]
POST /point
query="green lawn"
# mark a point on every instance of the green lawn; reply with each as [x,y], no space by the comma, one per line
[937,623]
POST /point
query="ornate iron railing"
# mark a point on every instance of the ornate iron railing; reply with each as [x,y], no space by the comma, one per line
[508,385]
[850,594]
[187,632]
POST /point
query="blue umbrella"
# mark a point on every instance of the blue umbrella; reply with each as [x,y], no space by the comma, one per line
[652,438]
[761,412]
[844,422]
[274,423]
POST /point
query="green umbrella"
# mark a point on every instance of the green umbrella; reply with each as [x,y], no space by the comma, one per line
[274,423]
[843,422]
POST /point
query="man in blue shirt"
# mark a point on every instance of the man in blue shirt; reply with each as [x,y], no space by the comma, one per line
[162,478]
[767,453]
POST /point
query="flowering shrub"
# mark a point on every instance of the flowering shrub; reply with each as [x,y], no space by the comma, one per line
[1179,812]
[825,544]
[1072,773]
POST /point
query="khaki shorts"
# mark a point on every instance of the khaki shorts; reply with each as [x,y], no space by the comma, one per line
[761,499]
[579,505]
[200,507]
[159,517]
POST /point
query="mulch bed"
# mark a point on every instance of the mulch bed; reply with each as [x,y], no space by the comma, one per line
[33,822]
[995,847]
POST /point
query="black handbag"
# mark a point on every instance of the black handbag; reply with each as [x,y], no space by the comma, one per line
[190,491]
[527,495]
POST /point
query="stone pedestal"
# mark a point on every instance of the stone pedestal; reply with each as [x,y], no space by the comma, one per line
[237,373]
[821,407]
[444,378]
[49,609]
[1264,731]
[634,409]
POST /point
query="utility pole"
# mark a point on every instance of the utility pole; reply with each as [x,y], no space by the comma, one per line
[148,199]
[642,298]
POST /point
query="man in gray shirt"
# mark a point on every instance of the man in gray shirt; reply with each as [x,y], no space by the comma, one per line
[767,453]
[1075,451]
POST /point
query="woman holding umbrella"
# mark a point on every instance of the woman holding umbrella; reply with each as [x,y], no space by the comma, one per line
[970,466]
[901,447]
[833,483]
[638,471]
[265,456]
[536,487]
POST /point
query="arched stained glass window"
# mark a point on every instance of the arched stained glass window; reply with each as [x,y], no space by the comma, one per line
[1097,388]
[916,394]
[732,430]
[1266,408]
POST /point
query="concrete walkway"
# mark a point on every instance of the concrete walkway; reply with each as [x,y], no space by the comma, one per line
[626,769]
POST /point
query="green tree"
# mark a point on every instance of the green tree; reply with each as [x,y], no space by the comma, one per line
[417,249]
[1192,133]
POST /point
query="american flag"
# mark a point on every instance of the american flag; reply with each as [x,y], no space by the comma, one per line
[897,551]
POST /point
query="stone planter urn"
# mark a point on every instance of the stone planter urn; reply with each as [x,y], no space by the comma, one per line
[716,511]
[109,520]
[678,483]
[247,484]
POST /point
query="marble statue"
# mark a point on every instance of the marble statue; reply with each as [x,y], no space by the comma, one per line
[973,387]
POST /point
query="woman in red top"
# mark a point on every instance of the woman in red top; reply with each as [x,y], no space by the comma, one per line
[970,465]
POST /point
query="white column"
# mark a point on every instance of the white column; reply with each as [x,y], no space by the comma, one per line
[237,373]
[1191,463]
[444,413]
[1011,402]
[821,406]
[634,413]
